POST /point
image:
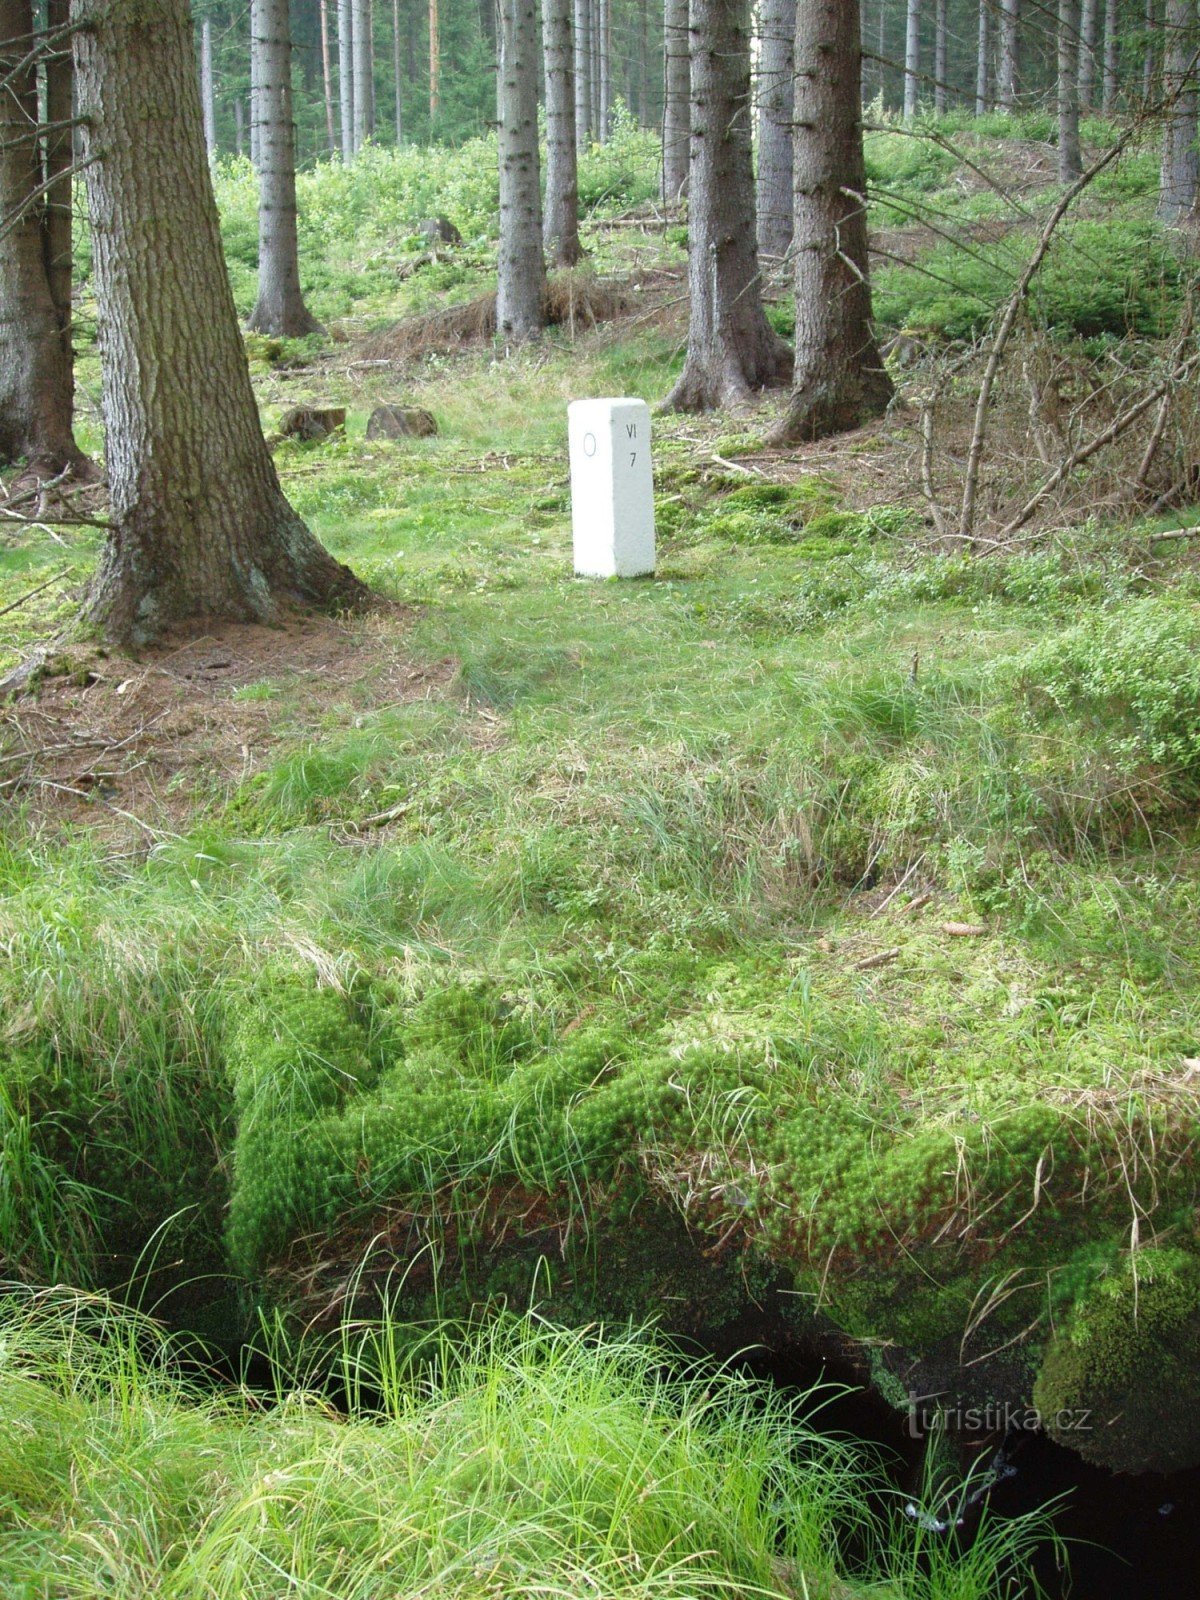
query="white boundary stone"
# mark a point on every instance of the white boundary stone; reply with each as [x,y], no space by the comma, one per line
[612,488]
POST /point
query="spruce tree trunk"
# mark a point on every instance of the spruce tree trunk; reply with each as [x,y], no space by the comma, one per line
[397,71]
[940,35]
[201,528]
[982,61]
[36,395]
[364,69]
[1180,162]
[1008,67]
[435,62]
[777,24]
[327,79]
[840,379]
[583,48]
[912,60]
[521,276]
[345,15]
[677,91]
[1151,29]
[561,226]
[1089,20]
[1108,102]
[239,128]
[732,349]
[1070,156]
[59,147]
[207,89]
[280,308]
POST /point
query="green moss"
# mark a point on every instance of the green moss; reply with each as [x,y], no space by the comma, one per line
[1120,1382]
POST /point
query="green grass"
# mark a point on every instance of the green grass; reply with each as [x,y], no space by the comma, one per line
[613,958]
[512,1460]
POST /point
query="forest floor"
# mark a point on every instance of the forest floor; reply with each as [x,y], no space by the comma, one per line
[834,893]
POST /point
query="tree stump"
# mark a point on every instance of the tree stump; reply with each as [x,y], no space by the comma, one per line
[400,422]
[311,422]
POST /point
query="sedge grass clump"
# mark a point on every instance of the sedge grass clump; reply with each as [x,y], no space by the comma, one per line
[501,1459]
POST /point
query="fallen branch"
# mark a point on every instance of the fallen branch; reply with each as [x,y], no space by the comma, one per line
[15,605]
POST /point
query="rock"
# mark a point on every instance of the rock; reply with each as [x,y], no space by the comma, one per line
[439,230]
[311,422]
[401,422]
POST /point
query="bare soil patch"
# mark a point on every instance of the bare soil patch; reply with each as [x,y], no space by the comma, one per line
[141,743]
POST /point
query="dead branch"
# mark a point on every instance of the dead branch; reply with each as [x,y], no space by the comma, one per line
[15,605]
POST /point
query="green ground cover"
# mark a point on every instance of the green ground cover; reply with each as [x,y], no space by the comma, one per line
[828,900]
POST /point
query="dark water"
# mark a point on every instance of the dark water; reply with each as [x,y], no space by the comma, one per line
[1128,1538]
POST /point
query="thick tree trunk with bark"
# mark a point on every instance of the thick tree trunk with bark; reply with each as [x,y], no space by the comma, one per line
[1008,69]
[983,59]
[677,92]
[912,60]
[777,22]
[36,394]
[840,379]
[561,226]
[201,528]
[1108,103]
[732,349]
[345,16]
[208,89]
[364,72]
[1070,156]
[280,308]
[1180,162]
[521,277]
[1089,23]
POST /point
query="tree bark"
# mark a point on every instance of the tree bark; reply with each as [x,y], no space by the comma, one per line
[583,100]
[1180,162]
[732,349]
[207,89]
[1089,22]
[280,308]
[677,76]
[1009,68]
[345,16]
[982,59]
[364,71]
[201,528]
[398,71]
[912,59]
[59,146]
[327,78]
[840,379]
[604,37]
[36,394]
[521,277]
[561,223]
[1070,156]
[1108,103]
[940,38]
[777,25]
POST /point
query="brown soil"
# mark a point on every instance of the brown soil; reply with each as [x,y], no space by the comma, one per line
[139,744]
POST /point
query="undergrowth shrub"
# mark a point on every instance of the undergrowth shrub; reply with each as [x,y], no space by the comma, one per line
[1132,676]
[1111,278]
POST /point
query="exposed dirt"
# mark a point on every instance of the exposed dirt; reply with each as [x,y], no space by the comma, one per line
[139,743]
